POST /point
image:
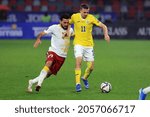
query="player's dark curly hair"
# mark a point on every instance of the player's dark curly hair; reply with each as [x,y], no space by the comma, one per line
[64,16]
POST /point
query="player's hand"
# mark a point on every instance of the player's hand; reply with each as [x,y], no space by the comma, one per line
[68,31]
[107,38]
[37,42]
[64,35]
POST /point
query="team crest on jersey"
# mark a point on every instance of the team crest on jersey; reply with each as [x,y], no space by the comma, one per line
[87,21]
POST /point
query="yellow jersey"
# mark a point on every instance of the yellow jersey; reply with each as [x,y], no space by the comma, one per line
[83,29]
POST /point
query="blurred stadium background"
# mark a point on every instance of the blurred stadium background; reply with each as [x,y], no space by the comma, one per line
[125,18]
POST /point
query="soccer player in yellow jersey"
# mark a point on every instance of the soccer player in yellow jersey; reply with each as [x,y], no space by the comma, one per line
[83,42]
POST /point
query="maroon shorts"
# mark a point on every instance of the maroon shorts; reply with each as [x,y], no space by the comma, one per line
[57,61]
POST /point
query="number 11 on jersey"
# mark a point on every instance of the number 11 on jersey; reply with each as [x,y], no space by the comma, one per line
[83,29]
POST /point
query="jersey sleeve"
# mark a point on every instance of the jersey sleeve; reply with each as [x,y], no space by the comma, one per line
[95,21]
[71,21]
[49,30]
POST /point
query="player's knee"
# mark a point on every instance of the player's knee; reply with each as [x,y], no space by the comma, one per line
[49,63]
[78,65]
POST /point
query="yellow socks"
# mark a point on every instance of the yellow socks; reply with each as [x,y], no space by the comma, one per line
[77,75]
[86,74]
[88,70]
[46,68]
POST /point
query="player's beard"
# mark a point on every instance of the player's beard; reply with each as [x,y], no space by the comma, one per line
[64,27]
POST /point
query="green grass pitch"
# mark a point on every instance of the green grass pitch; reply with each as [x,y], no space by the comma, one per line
[123,63]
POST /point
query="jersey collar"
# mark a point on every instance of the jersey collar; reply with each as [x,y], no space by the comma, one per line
[83,18]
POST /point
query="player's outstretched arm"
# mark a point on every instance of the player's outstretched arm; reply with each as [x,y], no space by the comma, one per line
[67,34]
[105,30]
[38,39]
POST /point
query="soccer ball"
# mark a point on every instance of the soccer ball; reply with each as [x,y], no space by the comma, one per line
[105,87]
